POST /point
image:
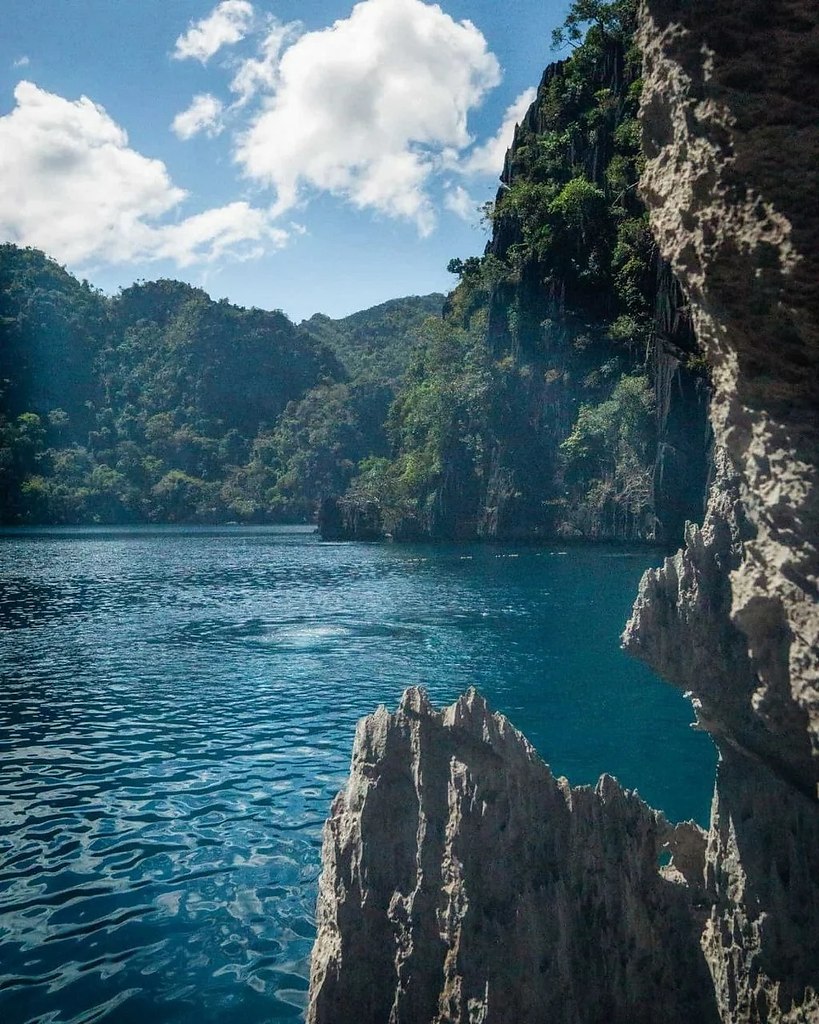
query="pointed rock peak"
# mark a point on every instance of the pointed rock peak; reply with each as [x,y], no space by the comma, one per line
[474,704]
[470,711]
[371,735]
[608,788]
[415,700]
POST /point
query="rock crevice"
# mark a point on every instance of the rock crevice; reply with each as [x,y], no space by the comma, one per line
[463,882]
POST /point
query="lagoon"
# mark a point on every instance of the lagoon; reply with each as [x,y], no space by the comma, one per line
[177,709]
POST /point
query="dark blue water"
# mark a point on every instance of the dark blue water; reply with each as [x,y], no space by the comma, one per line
[177,709]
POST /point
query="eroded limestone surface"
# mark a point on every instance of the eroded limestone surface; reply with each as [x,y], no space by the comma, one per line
[732,185]
[730,97]
[462,882]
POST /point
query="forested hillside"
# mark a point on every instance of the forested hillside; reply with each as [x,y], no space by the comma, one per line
[161,405]
[563,394]
[377,342]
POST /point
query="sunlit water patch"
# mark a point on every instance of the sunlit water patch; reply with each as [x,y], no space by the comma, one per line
[177,710]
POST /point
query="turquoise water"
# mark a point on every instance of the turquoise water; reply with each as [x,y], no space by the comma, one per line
[177,709]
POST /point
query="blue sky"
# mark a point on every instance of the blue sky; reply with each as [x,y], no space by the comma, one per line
[309,157]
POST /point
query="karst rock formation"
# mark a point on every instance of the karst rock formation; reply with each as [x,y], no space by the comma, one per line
[463,882]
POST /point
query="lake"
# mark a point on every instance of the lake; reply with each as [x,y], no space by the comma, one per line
[177,709]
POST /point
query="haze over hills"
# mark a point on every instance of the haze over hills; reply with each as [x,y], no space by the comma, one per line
[162,405]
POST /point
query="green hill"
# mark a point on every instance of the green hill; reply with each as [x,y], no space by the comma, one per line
[562,394]
[161,405]
[376,342]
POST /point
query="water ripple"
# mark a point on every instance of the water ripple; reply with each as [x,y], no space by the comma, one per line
[176,713]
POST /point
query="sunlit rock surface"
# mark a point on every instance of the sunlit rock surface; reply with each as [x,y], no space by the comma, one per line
[463,882]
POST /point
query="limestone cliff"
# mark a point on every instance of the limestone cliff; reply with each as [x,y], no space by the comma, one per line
[732,185]
[461,881]
[564,394]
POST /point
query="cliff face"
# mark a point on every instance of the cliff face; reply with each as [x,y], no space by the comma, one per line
[733,190]
[563,395]
[462,882]
[731,185]
[575,326]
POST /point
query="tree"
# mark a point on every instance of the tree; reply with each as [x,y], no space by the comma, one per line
[614,19]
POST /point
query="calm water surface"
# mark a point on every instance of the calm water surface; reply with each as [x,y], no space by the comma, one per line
[177,709]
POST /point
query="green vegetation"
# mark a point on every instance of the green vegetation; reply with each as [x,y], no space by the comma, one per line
[541,404]
[161,405]
[612,19]
[321,439]
[529,410]
[608,457]
[377,342]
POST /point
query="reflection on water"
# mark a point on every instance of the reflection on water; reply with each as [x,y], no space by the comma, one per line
[177,709]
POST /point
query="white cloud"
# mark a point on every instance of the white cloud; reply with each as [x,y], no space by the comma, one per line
[488,158]
[368,108]
[226,24]
[21,62]
[461,203]
[262,72]
[203,115]
[237,230]
[73,186]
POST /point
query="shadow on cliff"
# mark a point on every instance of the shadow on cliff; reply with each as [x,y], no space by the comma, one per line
[761,871]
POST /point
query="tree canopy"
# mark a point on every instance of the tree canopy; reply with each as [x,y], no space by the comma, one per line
[162,405]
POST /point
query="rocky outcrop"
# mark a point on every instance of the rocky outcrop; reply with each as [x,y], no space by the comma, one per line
[732,188]
[733,191]
[339,520]
[462,882]
[761,939]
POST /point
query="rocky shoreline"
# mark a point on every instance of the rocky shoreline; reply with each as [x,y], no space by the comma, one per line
[461,881]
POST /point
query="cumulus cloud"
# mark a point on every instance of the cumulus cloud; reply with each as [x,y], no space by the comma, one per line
[21,62]
[74,187]
[461,203]
[237,230]
[488,158]
[369,108]
[203,115]
[262,72]
[227,23]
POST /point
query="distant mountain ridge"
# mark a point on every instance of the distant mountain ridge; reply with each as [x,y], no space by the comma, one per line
[162,405]
[377,341]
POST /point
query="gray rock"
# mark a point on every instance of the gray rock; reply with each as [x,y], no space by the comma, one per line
[730,130]
[462,882]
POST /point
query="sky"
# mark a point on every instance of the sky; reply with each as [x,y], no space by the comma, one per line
[320,156]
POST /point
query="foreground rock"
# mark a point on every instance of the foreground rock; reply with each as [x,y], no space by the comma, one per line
[463,882]
[761,939]
[732,186]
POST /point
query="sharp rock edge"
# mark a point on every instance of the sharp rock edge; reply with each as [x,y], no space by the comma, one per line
[461,881]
